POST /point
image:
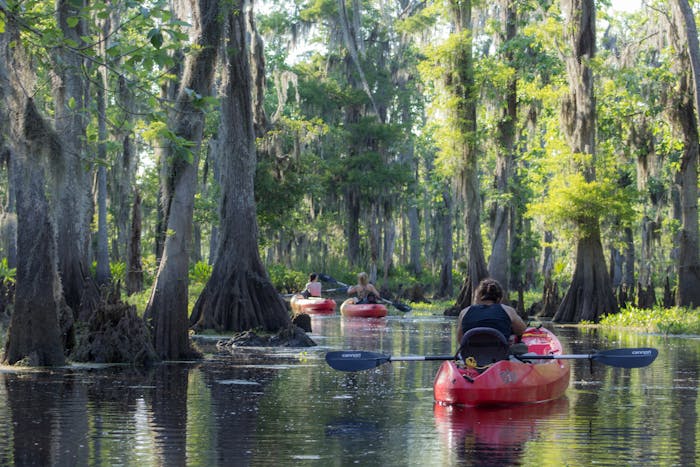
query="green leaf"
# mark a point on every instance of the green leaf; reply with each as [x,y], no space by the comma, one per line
[73,21]
[156,37]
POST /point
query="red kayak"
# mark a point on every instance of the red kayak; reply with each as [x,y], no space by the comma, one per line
[312,305]
[362,310]
[507,381]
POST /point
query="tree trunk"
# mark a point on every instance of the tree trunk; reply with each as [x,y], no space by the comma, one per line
[167,308]
[389,245]
[499,261]
[615,271]
[461,87]
[628,266]
[445,284]
[73,211]
[239,295]
[686,41]
[374,239]
[590,294]
[134,268]
[641,141]
[102,271]
[550,290]
[685,19]
[122,172]
[414,242]
[352,200]
[34,333]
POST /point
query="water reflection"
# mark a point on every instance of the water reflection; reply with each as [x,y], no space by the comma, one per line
[259,407]
[485,436]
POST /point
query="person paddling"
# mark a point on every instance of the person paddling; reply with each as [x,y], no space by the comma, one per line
[488,311]
[313,287]
[366,292]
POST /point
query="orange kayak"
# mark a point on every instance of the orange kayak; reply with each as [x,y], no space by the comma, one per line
[362,310]
[509,381]
[312,305]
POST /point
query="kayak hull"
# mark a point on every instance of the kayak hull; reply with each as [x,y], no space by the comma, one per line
[312,305]
[507,382]
[362,310]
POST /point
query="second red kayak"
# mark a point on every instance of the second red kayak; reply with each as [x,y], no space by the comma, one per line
[362,310]
[509,381]
[312,305]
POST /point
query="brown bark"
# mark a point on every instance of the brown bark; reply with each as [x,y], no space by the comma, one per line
[134,268]
[239,295]
[167,308]
[72,181]
[499,261]
[34,334]
[589,296]
[352,201]
[460,82]
[444,221]
[590,293]
[684,110]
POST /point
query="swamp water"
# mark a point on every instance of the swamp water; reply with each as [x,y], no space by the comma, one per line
[278,407]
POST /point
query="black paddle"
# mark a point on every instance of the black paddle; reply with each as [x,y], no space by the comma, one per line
[399,306]
[621,358]
[358,360]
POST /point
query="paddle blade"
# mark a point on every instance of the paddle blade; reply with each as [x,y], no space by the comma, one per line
[402,307]
[626,358]
[355,360]
[327,278]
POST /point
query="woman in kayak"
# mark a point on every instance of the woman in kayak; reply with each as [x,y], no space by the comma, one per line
[313,287]
[366,292]
[488,311]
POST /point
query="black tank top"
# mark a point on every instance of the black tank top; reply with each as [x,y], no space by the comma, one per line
[489,316]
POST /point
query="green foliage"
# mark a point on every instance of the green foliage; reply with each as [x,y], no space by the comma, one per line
[574,202]
[319,9]
[139,300]
[676,320]
[158,132]
[200,273]
[287,280]
[7,274]
[118,271]
[435,307]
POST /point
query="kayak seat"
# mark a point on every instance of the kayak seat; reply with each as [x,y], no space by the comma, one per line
[485,345]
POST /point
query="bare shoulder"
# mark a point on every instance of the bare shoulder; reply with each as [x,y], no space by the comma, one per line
[509,309]
[462,313]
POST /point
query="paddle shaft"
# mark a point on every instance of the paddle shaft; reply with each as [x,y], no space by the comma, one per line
[622,358]
[398,305]
[356,360]
[580,356]
[420,358]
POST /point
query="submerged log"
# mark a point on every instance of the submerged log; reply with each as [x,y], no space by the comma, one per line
[291,336]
